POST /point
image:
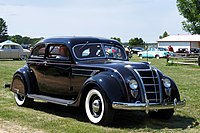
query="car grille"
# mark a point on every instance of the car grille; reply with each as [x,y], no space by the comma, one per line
[151,84]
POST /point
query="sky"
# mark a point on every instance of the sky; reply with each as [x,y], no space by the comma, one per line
[125,19]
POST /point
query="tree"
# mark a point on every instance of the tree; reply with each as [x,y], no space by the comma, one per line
[3,30]
[190,10]
[136,42]
[165,34]
[35,40]
[24,40]
[16,38]
[115,38]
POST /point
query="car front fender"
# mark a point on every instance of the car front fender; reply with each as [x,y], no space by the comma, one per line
[109,84]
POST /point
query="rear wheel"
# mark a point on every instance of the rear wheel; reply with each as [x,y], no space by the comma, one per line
[164,114]
[97,108]
[23,101]
[157,57]
[19,88]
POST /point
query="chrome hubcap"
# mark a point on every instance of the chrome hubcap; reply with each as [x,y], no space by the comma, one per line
[96,105]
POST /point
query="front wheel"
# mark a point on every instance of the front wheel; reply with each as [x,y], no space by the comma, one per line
[140,56]
[97,108]
[164,114]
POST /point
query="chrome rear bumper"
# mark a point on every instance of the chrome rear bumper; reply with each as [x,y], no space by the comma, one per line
[148,106]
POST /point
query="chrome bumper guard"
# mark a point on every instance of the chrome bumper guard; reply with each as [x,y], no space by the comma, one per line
[148,106]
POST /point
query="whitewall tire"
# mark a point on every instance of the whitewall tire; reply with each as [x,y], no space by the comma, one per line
[97,108]
[20,98]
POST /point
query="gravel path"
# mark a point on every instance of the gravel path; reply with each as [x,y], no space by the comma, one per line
[10,127]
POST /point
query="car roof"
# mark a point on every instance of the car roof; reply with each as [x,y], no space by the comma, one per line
[73,40]
[9,44]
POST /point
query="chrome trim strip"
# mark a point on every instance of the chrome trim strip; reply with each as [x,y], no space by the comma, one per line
[84,75]
[143,85]
[51,99]
[154,83]
[148,106]
[78,69]
[92,72]
[160,85]
[141,81]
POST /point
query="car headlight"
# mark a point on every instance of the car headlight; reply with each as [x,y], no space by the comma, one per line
[166,82]
[133,84]
[134,87]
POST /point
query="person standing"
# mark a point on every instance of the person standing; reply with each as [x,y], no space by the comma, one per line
[170,48]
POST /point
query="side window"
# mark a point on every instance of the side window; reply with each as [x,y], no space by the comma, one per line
[39,51]
[58,51]
[15,47]
[151,49]
[6,47]
[113,52]
[86,52]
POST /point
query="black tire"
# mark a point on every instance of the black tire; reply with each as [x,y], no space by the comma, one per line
[164,114]
[21,99]
[97,108]
[140,56]
[23,57]
[157,57]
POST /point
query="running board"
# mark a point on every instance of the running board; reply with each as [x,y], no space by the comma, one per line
[51,99]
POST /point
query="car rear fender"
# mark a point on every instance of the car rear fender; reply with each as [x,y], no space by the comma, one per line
[22,73]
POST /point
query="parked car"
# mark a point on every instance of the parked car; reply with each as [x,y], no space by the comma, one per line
[182,50]
[135,50]
[128,53]
[155,53]
[195,50]
[10,50]
[93,73]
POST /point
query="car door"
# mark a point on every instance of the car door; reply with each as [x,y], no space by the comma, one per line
[5,53]
[151,52]
[36,65]
[15,50]
[57,70]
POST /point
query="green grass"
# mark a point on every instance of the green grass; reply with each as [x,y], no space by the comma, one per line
[46,117]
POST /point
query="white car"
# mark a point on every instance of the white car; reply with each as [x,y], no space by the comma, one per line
[155,53]
[11,50]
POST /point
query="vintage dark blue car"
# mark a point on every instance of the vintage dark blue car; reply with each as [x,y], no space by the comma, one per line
[94,73]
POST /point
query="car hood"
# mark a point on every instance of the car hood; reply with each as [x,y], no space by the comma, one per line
[116,64]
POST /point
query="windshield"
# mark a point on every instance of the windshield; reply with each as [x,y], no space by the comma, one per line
[97,50]
[162,49]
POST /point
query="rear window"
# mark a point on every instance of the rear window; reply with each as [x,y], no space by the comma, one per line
[38,52]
